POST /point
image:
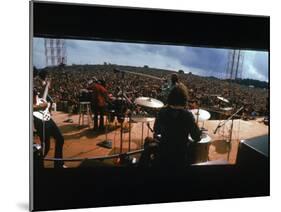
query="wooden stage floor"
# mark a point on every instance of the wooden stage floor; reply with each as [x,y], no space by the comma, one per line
[81,141]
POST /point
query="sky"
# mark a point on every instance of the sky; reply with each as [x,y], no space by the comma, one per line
[198,60]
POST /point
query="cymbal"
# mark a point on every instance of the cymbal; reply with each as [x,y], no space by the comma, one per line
[149,102]
[204,139]
[202,115]
[227,108]
[142,119]
[222,99]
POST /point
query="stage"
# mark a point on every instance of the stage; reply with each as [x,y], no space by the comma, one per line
[81,141]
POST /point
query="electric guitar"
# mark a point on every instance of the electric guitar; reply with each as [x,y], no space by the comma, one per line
[45,114]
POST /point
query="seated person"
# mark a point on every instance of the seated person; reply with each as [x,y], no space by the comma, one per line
[174,124]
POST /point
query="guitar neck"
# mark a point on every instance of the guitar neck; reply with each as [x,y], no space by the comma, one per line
[46,91]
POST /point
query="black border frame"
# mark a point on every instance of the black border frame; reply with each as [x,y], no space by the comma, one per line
[53,189]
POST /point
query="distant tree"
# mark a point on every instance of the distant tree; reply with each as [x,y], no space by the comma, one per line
[145,66]
[181,71]
[251,82]
[104,63]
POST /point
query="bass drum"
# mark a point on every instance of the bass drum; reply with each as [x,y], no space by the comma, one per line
[199,151]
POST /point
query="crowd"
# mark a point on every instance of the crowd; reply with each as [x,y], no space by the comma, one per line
[67,83]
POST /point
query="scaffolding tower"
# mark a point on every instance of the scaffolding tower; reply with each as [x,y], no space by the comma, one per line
[55,52]
[234,67]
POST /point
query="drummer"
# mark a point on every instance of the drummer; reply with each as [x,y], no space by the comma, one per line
[174,123]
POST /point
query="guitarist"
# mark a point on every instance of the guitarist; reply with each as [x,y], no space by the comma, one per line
[47,128]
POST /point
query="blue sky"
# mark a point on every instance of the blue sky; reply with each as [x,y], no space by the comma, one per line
[198,60]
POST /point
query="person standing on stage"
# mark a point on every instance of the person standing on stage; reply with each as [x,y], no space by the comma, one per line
[174,124]
[166,89]
[47,129]
[99,99]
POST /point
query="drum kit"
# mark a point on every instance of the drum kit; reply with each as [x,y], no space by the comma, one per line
[200,115]
[200,149]
[148,103]
[223,99]
[224,105]
[227,108]
[151,104]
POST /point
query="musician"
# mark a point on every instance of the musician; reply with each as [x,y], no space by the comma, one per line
[174,124]
[47,129]
[174,80]
[167,87]
[99,99]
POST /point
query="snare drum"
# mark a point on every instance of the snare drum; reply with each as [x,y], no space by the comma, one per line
[199,152]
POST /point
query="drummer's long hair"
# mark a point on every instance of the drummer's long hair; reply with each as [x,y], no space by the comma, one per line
[178,95]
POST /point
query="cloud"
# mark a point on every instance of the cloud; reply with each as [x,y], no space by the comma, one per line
[38,53]
[256,65]
[201,61]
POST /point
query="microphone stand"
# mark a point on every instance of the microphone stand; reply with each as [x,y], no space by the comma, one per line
[230,137]
[222,123]
[123,115]
[107,141]
[132,105]
[231,128]
[197,115]
[122,72]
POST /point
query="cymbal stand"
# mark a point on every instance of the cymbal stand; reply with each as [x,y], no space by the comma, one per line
[122,76]
[230,138]
[106,130]
[132,107]
[142,126]
[115,126]
[197,117]
[222,123]
[231,128]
